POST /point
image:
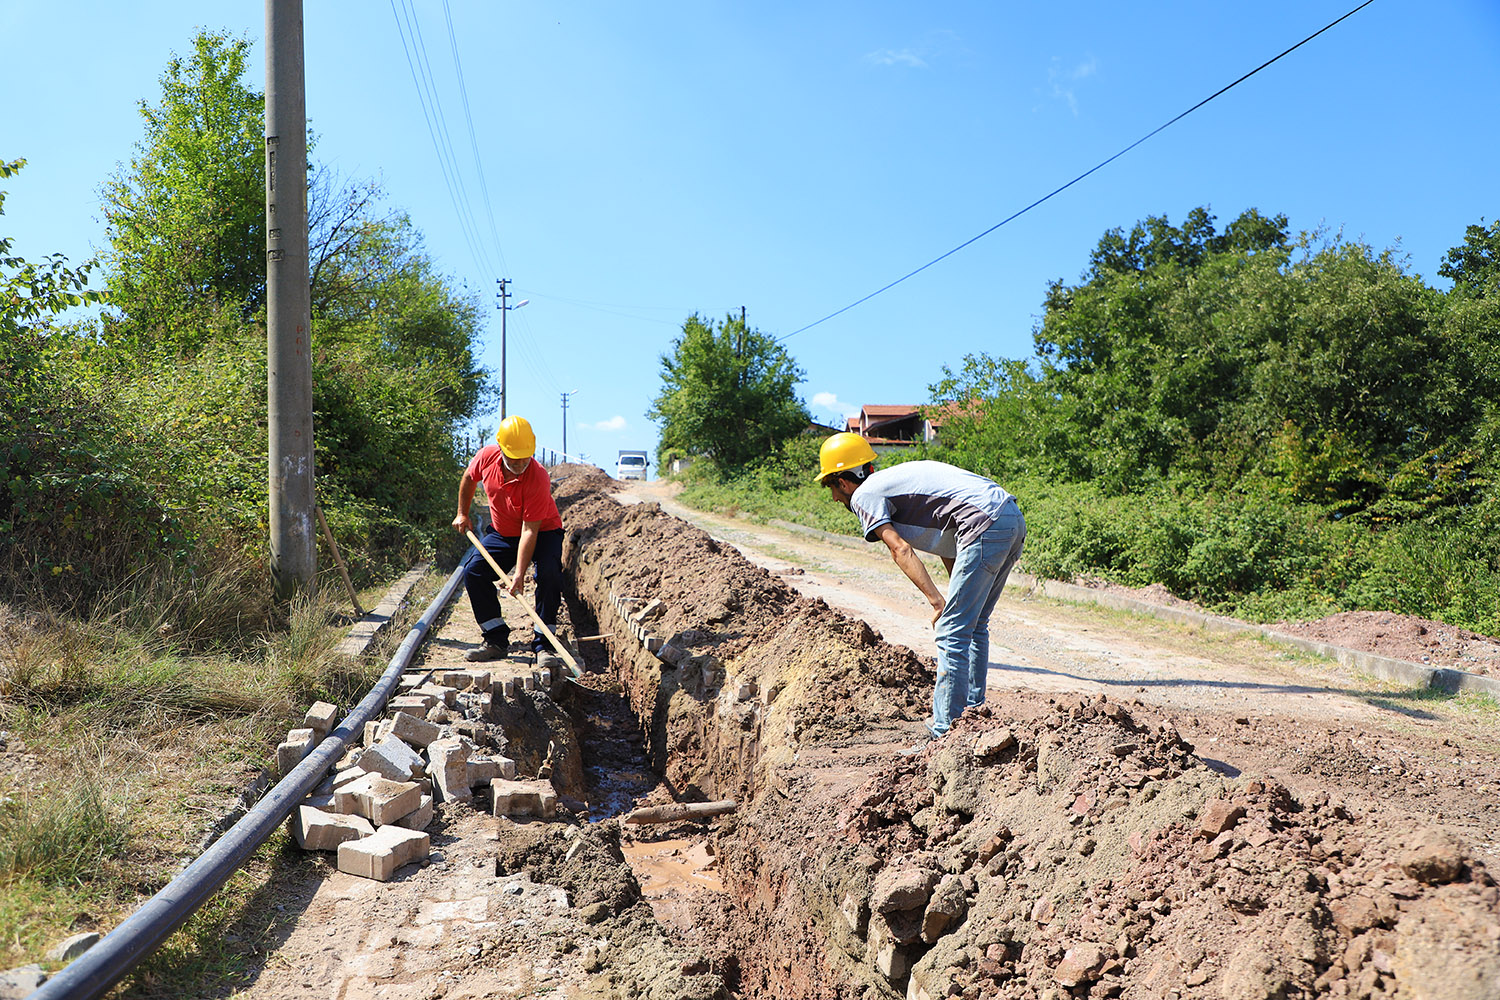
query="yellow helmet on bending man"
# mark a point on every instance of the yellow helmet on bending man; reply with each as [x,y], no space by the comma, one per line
[843,452]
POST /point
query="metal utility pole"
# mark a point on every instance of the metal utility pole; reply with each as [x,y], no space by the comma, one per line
[294,551]
[565,423]
[502,295]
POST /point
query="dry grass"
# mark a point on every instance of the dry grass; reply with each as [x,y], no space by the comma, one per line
[130,732]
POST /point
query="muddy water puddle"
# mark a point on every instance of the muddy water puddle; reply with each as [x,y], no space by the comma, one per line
[672,872]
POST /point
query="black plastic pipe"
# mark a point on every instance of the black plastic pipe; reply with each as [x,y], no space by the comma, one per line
[122,949]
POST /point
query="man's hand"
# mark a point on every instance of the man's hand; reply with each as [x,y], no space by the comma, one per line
[937,609]
[462,524]
[518,583]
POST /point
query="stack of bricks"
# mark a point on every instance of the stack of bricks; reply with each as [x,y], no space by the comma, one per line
[635,612]
[374,808]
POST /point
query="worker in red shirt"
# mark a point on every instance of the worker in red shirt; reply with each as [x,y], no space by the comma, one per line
[525,528]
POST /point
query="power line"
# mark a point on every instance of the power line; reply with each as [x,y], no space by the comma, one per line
[1059,190]
[416,55]
[463,93]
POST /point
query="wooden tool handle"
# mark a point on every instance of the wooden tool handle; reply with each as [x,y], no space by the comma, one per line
[505,581]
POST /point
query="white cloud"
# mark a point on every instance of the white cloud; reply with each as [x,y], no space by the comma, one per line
[935,46]
[829,403]
[1061,81]
[615,423]
[890,57]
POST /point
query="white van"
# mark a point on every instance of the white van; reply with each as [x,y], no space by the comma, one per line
[632,465]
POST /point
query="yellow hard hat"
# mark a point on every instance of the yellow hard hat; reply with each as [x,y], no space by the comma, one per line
[516,438]
[843,451]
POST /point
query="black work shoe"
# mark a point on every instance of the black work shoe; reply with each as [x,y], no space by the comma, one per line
[486,652]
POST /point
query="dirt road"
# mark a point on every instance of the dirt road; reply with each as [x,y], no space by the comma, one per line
[1046,645]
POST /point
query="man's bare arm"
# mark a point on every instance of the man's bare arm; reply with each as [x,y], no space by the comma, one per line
[906,558]
[466,487]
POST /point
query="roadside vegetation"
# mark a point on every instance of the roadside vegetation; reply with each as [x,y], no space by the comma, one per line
[146,672]
[1276,426]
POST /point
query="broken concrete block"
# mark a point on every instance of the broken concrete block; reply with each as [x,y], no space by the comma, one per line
[448,764]
[416,704]
[447,695]
[418,818]
[670,652]
[379,800]
[482,770]
[392,758]
[375,731]
[299,743]
[414,731]
[317,830]
[70,948]
[524,798]
[379,855]
[508,687]
[321,717]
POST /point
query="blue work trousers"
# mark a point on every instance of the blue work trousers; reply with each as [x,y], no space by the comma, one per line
[479,581]
[963,629]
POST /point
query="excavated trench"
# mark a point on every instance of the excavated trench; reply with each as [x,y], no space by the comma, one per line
[1047,847]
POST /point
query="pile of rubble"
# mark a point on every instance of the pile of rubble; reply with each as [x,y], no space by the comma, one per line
[435,746]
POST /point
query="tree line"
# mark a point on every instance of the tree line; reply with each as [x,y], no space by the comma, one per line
[1277,425]
[134,439]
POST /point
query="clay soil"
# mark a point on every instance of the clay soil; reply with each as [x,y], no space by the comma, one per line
[1138,810]
[1054,844]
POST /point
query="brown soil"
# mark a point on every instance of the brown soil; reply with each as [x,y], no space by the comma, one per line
[1066,840]
[1049,846]
[1404,637]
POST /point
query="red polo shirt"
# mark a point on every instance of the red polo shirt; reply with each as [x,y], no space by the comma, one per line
[513,499]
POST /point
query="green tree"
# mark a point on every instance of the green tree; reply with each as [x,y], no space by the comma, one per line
[186,218]
[728,393]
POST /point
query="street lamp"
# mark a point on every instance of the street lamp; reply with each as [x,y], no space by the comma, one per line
[504,308]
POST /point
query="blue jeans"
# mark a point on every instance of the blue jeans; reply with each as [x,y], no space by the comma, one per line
[963,629]
[479,581]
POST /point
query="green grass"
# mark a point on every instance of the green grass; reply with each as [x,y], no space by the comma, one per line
[133,738]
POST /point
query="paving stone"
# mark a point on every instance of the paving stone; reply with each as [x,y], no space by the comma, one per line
[317,830]
[392,758]
[524,798]
[70,948]
[420,817]
[483,769]
[321,717]
[448,764]
[414,731]
[447,695]
[379,855]
[298,744]
[416,704]
[379,800]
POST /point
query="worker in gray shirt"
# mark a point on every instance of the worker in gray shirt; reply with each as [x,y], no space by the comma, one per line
[964,519]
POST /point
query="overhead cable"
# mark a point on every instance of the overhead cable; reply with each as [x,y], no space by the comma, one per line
[415,56]
[1075,180]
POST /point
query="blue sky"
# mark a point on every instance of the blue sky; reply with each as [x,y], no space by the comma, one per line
[645,161]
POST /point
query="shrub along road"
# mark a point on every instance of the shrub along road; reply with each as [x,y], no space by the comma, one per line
[1053,646]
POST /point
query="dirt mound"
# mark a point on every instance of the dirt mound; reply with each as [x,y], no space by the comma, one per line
[1044,848]
[1404,637]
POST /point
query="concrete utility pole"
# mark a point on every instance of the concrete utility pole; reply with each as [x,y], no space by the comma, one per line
[565,424]
[294,547]
[501,296]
